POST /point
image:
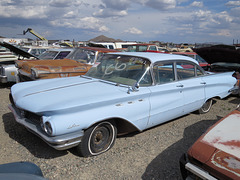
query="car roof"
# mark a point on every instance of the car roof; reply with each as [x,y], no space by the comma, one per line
[60,49]
[155,57]
[98,49]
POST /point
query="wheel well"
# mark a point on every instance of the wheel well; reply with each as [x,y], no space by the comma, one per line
[123,126]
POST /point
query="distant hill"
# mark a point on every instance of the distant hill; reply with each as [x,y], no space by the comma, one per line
[103,38]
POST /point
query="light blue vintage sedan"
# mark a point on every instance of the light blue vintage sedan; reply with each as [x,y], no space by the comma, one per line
[121,93]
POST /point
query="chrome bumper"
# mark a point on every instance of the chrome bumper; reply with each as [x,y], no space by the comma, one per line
[190,171]
[3,79]
[60,142]
[199,172]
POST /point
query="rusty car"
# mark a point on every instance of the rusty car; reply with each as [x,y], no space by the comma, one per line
[78,62]
[216,154]
[8,70]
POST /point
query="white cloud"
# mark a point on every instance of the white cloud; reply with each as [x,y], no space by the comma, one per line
[197,4]
[233,3]
[109,13]
[89,23]
[23,12]
[133,30]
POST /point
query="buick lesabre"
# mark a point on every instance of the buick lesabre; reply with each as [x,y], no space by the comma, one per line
[121,93]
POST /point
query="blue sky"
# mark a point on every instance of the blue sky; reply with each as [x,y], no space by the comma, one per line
[178,21]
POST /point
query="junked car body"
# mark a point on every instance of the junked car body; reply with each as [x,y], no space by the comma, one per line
[78,62]
[222,58]
[8,70]
[122,92]
[215,155]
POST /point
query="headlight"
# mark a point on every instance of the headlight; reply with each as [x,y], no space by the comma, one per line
[47,128]
[33,74]
[16,65]
[46,125]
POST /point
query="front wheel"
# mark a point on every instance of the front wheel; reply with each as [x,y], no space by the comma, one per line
[206,107]
[98,139]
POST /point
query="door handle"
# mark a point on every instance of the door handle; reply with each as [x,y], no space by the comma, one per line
[203,83]
[180,85]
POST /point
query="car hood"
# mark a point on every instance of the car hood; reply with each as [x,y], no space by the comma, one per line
[64,94]
[219,147]
[59,65]
[219,53]
[17,50]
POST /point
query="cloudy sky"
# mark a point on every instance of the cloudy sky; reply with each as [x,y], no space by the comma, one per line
[175,21]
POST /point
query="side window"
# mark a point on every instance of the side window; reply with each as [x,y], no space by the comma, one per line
[62,54]
[111,47]
[199,72]
[164,73]
[153,48]
[185,70]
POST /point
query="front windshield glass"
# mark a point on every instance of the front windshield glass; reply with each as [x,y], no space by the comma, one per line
[122,69]
[48,55]
[82,55]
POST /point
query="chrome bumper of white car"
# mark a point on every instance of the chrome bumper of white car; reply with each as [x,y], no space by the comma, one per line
[60,142]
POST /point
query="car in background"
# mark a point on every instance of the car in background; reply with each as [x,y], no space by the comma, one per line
[8,70]
[194,55]
[144,48]
[215,155]
[222,58]
[35,50]
[76,63]
[56,53]
[122,92]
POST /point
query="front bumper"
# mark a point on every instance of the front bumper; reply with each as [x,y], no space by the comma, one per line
[191,171]
[3,79]
[60,142]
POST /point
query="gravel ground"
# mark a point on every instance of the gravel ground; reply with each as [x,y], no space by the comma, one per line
[152,154]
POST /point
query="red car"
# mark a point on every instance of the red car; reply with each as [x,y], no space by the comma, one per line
[216,154]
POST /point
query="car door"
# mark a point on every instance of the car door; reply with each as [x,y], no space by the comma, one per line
[166,98]
[190,77]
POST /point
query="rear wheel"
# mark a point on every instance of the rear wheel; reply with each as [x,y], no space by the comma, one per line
[97,139]
[206,107]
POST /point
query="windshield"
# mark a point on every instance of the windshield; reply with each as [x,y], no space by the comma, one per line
[54,55]
[83,56]
[122,69]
